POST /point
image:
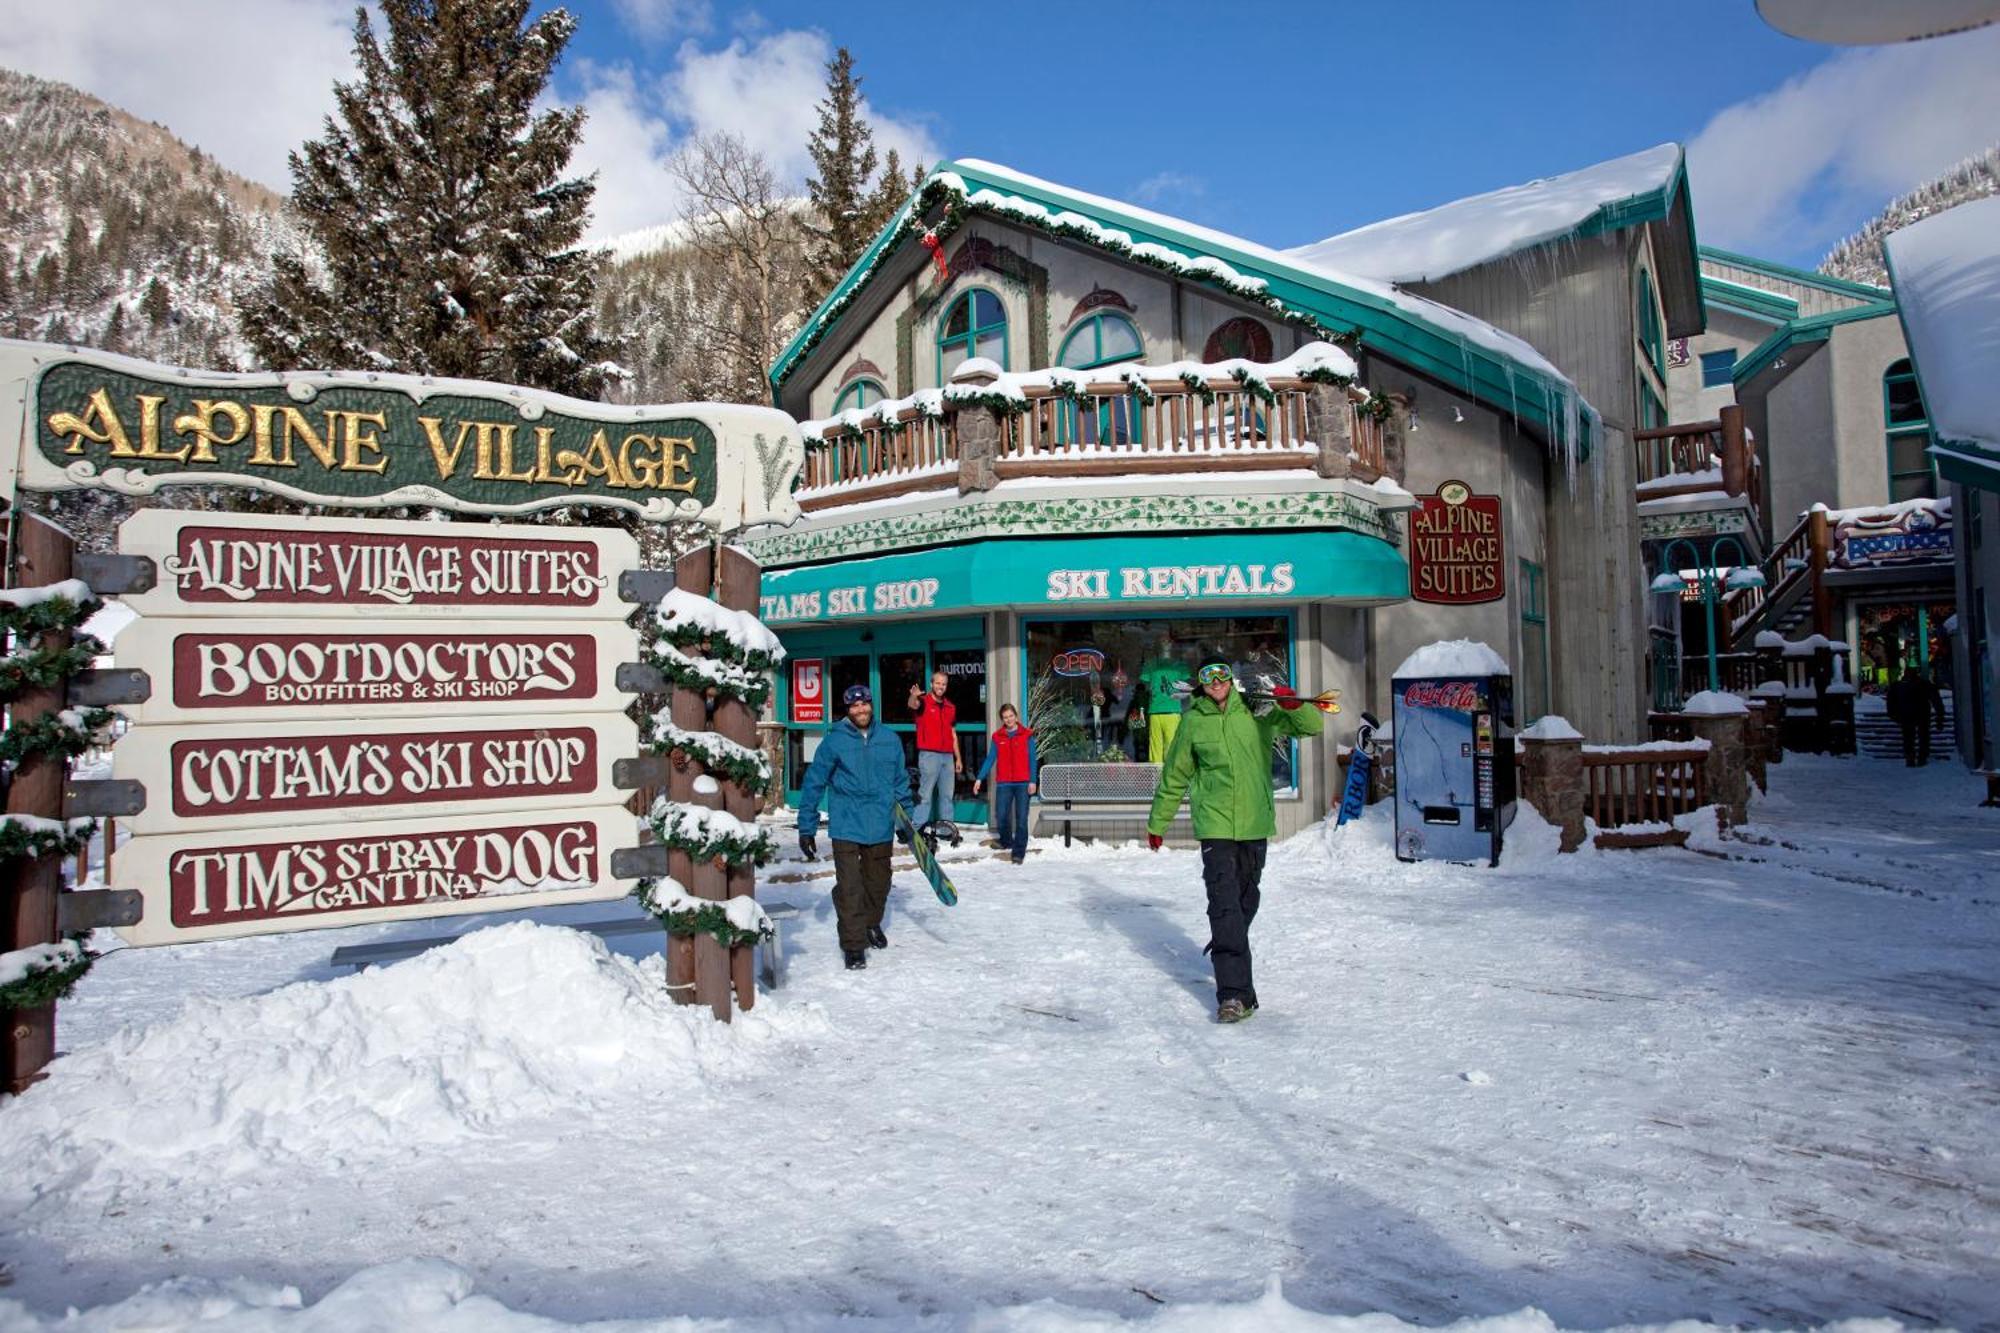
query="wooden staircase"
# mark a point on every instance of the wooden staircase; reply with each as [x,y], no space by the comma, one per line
[1794,591]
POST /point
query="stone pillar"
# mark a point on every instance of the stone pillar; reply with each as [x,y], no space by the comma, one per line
[1552,781]
[1395,432]
[1756,742]
[1330,424]
[977,430]
[1728,778]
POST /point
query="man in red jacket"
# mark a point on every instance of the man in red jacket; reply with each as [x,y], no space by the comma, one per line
[938,761]
[1010,760]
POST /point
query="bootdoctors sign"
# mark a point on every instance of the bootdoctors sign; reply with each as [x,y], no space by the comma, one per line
[367,440]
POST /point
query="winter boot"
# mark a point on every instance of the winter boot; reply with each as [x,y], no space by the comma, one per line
[1233,1011]
[857,959]
[876,939]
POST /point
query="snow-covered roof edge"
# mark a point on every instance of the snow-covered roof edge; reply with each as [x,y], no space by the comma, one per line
[1435,243]
[1487,363]
[1945,271]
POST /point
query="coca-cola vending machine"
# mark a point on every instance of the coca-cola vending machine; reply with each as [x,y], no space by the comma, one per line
[1454,739]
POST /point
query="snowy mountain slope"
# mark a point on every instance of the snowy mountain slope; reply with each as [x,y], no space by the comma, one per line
[1859,257]
[115,234]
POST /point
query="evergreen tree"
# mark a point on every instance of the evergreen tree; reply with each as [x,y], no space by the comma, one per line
[114,330]
[888,196]
[156,305]
[843,154]
[446,231]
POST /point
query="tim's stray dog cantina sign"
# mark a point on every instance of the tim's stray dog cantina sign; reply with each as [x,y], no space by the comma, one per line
[367,440]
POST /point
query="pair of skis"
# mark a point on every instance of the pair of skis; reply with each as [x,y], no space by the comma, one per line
[1263,692]
[924,848]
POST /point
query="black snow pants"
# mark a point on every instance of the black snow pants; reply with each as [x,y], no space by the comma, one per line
[860,889]
[1232,870]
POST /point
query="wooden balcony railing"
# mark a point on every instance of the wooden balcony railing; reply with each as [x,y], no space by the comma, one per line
[1643,784]
[1698,457]
[1795,568]
[1106,429]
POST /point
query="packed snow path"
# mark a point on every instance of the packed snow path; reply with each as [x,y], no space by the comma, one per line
[1752,1086]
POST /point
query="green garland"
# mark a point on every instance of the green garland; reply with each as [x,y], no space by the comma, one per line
[54,736]
[687,828]
[44,669]
[47,983]
[747,768]
[54,613]
[66,838]
[685,634]
[733,681]
[707,919]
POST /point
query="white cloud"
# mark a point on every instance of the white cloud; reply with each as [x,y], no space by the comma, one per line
[1796,169]
[246,81]
[627,145]
[1168,185]
[653,20]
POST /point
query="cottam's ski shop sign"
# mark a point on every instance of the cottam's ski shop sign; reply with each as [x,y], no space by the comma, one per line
[358,720]
[90,419]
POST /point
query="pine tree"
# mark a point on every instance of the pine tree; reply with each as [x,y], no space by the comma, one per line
[114,330]
[156,305]
[888,196]
[447,233]
[843,154]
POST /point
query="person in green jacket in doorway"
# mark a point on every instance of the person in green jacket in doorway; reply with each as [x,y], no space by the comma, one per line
[1220,760]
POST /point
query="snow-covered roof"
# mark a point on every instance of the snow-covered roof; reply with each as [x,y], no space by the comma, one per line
[1485,362]
[1946,272]
[1463,234]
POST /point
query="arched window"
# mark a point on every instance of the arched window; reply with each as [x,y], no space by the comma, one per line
[861,393]
[1102,340]
[974,325]
[1242,336]
[1912,474]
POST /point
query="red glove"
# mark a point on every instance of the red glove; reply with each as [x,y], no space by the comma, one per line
[1287,697]
[1155,841]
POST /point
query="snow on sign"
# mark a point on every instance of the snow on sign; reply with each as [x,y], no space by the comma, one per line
[226,671]
[209,886]
[263,774]
[97,421]
[255,565]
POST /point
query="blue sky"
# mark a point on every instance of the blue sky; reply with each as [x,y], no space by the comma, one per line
[1284,123]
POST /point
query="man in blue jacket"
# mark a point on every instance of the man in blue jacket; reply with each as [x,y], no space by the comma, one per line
[859,768]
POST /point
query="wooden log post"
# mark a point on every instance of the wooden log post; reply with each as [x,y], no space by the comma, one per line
[1819,536]
[1735,452]
[739,580]
[689,710]
[41,555]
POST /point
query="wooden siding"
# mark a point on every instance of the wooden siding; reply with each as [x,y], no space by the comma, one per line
[1812,300]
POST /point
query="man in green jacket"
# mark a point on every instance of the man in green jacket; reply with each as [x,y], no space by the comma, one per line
[1221,760]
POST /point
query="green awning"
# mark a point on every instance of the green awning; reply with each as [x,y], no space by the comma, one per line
[1968,464]
[1089,573]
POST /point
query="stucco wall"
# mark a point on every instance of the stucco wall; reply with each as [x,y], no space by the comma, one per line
[1687,400]
[1862,351]
[1799,431]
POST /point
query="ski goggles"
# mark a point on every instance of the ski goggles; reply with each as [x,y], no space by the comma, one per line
[1214,674]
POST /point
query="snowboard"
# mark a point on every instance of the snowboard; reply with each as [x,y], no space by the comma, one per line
[1354,798]
[926,854]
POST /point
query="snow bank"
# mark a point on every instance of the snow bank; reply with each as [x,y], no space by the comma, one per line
[1453,657]
[516,1021]
[1426,246]
[433,1296]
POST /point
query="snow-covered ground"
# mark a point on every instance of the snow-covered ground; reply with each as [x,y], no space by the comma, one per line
[1755,1085]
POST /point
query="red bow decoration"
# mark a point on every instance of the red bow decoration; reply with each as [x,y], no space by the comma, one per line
[936,247]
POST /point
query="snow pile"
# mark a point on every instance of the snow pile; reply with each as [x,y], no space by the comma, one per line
[1452,657]
[1887,515]
[1550,727]
[1714,703]
[1946,272]
[741,628]
[433,1296]
[16,964]
[513,1022]
[73,590]
[1435,243]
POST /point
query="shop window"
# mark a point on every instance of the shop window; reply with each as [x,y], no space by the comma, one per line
[1101,340]
[1240,337]
[1718,368]
[861,393]
[1532,689]
[975,325]
[1087,694]
[1912,471]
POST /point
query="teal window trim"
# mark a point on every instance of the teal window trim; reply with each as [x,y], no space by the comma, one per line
[1902,374]
[1094,327]
[1652,333]
[1716,367]
[1291,661]
[1118,420]
[859,392]
[1535,612]
[973,330]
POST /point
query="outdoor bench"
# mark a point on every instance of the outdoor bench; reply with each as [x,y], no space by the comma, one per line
[1110,798]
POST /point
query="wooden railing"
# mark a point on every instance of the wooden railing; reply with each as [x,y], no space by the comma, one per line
[1663,454]
[1222,426]
[1796,567]
[1643,785]
[1736,673]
